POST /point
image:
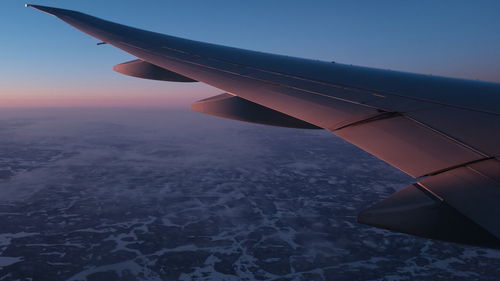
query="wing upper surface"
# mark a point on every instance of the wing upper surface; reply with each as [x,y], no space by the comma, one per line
[424,125]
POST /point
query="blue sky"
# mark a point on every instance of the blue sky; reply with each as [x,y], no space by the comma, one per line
[45,61]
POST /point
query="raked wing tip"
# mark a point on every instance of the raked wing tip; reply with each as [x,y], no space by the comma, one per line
[48,10]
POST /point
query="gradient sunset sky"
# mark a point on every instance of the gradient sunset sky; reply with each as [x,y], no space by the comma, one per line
[45,62]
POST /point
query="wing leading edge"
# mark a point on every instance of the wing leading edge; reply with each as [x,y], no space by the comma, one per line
[437,129]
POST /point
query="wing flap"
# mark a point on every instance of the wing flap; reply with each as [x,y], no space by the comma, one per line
[478,130]
[460,205]
[414,211]
[403,143]
[472,192]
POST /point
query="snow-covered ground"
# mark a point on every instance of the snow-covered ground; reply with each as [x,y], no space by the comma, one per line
[110,194]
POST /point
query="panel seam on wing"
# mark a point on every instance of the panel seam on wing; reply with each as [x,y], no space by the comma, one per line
[381,116]
[449,137]
[456,167]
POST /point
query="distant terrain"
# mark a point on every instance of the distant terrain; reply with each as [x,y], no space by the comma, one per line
[163,194]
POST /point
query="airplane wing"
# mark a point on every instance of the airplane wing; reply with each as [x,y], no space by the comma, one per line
[443,131]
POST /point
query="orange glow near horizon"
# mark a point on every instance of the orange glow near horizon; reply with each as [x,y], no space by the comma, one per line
[140,95]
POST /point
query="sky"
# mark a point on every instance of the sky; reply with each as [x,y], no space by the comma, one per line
[47,63]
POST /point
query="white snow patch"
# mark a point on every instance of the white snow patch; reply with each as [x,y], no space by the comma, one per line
[6,261]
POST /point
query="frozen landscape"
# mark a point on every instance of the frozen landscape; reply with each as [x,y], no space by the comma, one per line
[162,194]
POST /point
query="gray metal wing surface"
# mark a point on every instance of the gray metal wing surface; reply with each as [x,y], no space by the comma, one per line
[445,132]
